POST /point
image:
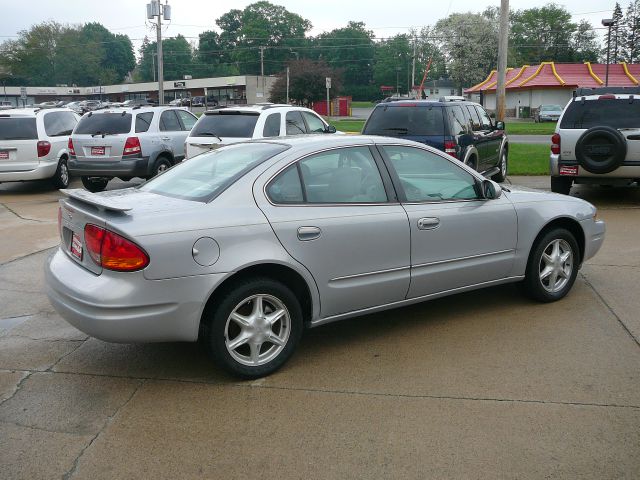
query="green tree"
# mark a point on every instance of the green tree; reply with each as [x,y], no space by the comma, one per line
[393,62]
[262,24]
[584,43]
[618,33]
[212,58]
[630,45]
[178,59]
[306,82]
[469,44]
[542,34]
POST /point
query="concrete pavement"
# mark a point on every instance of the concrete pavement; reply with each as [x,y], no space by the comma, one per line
[480,385]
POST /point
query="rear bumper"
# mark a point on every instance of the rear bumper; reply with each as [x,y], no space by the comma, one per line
[126,307]
[125,167]
[628,170]
[42,171]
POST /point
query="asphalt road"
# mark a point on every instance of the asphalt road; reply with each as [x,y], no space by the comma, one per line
[480,385]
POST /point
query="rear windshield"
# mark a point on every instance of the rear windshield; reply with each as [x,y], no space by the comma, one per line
[401,120]
[226,124]
[615,113]
[104,124]
[206,176]
[18,129]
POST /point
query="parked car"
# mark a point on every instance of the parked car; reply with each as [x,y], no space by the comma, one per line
[127,143]
[227,125]
[245,246]
[33,144]
[596,140]
[547,113]
[197,101]
[461,128]
[76,107]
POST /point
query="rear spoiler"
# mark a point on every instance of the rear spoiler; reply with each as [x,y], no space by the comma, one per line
[103,201]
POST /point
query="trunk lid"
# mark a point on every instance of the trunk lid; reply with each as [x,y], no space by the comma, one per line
[18,143]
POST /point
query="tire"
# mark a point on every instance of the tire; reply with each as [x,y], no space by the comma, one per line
[547,264]
[220,330]
[161,165]
[94,184]
[472,162]
[601,150]
[561,185]
[60,179]
[501,176]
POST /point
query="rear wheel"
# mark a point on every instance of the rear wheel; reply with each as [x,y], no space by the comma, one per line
[552,267]
[561,185]
[254,328]
[501,176]
[60,179]
[162,164]
[94,184]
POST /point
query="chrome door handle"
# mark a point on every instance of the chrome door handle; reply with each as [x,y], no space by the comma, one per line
[428,223]
[165,138]
[308,233]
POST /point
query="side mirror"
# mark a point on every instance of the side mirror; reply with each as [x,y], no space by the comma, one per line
[330,129]
[499,125]
[491,190]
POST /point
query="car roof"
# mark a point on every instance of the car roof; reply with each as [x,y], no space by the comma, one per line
[623,96]
[425,103]
[260,107]
[318,142]
[135,109]
[31,112]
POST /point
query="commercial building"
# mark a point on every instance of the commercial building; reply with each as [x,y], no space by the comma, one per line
[529,86]
[239,89]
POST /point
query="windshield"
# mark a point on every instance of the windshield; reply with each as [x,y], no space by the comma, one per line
[12,128]
[206,176]
[614,113]
[104,124]
[403,119]
[226,124]
[550,108]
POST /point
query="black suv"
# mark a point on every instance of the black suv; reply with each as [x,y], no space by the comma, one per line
[458,127]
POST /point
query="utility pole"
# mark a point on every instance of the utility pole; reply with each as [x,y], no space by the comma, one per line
[262,67]
[607,22]
[287,85]
[156,10]
[413,66]
[503,36]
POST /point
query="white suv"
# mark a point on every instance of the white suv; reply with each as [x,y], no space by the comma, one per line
[225,125]
[127,142]
[597,139]
[33,144]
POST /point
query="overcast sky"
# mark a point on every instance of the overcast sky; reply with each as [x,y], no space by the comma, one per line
[191,17]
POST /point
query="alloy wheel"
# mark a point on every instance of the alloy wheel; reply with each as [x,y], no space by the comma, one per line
[257,330]
[556,265]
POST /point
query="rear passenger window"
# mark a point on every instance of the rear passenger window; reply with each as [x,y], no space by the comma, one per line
[57,124]
[272,125]
[346,175]
[169,122]
[485,120]
[143,122]
[286,187]
[458,121]
[475,119]
[295,124]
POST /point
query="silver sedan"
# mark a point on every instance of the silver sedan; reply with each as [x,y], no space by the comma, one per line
[246,246]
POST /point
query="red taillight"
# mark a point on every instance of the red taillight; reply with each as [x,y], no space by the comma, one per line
[450,148]
[607,97]
[43,148]
[113,252]
[555,144]
[72,151]
[132,146]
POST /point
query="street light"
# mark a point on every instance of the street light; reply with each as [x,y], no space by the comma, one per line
[607,22]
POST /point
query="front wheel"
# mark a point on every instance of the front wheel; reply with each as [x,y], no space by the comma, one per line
[552,267]
[94,184]
[254,328]
[501,176]
[60,179]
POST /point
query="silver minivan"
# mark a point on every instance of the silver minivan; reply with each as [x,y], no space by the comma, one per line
[33,144]
[127,142]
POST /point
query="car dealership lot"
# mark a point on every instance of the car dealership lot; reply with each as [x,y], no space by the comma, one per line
[479,385]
